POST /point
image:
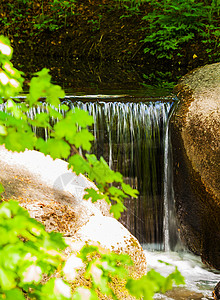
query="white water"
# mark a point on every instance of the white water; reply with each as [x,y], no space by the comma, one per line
[166,193]
[198,278]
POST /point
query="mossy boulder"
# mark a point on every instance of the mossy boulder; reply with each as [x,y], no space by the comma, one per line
[195,132]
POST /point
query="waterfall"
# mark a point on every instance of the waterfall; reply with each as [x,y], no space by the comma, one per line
[133,137]
[171,235]
[166,192]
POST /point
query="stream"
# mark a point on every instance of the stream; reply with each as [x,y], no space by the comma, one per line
[199,279]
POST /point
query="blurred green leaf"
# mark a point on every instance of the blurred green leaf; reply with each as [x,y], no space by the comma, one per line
[93,194]
[14,294]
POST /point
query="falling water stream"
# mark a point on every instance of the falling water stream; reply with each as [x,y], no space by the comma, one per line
[133,137]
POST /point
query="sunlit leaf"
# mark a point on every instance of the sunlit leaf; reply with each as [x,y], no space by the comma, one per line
[83,139]
[129,190]
[7,280]
[3,130]
[93,194]
[78,164]
[117,209]
[14,294]
[58,148]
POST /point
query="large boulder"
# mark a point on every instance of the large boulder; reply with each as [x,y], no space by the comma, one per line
[195,133]
[54,196]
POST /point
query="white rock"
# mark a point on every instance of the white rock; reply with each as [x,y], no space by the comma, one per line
[105,230]
[72,264]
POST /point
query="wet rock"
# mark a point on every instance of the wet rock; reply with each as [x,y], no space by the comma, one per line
[216,292]
[54,196]
[181,293]
[195,128]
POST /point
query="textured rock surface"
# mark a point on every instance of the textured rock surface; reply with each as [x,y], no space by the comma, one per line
[54,196]
[196,150]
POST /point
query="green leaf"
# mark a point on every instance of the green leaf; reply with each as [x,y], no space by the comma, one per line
[54,92]
[116,192]
[3,130]
[7,279]
[12,107]
[117,177]
[55,147]
[41,120]
[78,164]
[93,194]
[5,47]
[92,159]
[12,256]
[82,118]
[43,73]
[158,280]
[14,294]
[6,238]
[54,240]
[102,284]
[164,262]
[82,139]
[19,141]
[54,113]
[41,86]
[58,148]
[41,145]
[5,212]
[142,288]
[100,171]
[15,208]
[177,277]
[66,128]
[49,291]
[117,209]
[128,190]
[86,250]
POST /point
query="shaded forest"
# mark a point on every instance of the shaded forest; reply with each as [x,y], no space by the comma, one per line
[105,42]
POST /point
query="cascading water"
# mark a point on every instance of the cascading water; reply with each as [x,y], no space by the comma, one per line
[130,136]
[171,235]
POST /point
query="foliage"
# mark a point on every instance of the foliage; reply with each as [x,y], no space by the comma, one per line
[185,31]
[49,15]
[161,80]
[129,4]
[28,253]
[175,22]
